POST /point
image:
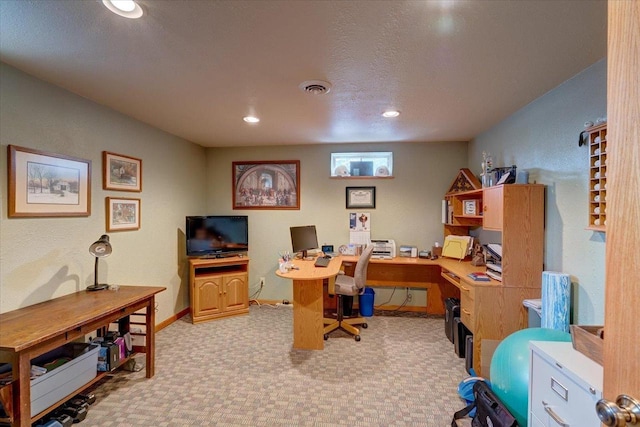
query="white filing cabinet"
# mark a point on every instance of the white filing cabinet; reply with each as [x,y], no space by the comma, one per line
[564,386]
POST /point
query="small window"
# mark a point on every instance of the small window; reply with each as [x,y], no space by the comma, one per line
[374,164]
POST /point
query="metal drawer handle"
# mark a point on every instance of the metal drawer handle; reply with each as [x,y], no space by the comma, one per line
[464,289]
[466,312]
[559,389]
[553,415]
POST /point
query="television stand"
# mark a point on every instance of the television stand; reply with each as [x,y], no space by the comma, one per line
[218,287]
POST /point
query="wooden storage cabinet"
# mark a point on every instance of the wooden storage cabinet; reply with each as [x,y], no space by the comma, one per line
[597,140]
[517,211]
[493,310]
[219,288]
[564,387]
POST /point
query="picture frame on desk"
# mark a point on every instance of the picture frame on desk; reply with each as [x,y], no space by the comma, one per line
[471,207]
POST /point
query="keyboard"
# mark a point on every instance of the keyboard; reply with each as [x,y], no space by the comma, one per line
[322,261]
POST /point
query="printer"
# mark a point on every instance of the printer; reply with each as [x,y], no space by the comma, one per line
[383,248]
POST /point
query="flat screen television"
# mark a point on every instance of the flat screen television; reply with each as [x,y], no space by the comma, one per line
[217,236]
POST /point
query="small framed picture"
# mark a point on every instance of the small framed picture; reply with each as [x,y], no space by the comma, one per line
[123,214]
[361,197]
[121,173]
[470,207]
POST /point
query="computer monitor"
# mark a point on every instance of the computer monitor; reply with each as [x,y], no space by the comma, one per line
[304,238]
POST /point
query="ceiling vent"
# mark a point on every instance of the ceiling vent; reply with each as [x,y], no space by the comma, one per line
[315,87]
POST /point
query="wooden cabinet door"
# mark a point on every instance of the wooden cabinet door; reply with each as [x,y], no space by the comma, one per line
[236,292]
[493,208]
[207,296]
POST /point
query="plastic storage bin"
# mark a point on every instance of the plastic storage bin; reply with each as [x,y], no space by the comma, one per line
[366,302]
[65,379]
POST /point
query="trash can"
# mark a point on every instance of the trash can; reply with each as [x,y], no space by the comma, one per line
[347,305]
[534,307]
[366,302]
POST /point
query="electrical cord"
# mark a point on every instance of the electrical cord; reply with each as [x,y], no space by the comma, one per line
[388,301]
[407,298]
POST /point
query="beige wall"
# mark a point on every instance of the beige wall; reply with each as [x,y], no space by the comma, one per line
[48,257]
[41,258]
[407,206]
[543,139]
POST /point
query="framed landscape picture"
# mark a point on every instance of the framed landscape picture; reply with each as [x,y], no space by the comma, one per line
[45,184]
[266,185]
[121,173]
[123,214]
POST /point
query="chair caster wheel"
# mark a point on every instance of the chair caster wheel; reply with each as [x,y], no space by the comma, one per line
[326,337]
[365,326]
[357,337]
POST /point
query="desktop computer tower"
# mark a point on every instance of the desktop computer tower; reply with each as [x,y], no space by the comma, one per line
[460,333]
[468,350]
[451,310]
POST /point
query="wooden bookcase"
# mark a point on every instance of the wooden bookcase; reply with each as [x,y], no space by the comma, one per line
[597,140]
[219,287]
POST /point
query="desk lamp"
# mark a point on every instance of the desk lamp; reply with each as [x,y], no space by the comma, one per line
[100,248]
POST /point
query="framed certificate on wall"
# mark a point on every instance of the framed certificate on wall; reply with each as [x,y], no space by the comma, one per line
[361,197]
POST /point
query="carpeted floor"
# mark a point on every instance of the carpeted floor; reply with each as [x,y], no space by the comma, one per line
[242,371]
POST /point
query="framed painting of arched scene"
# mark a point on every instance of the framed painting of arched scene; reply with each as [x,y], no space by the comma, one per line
[266,185]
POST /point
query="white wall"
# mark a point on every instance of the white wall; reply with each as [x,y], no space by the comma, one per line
[42,258]
[543,139]
[407,206]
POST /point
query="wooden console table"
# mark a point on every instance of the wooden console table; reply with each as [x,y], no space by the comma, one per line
[31,331]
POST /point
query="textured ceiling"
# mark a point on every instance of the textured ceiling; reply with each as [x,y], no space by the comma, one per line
[195,68]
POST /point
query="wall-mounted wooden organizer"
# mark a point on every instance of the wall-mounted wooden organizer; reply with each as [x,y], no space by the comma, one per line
[597,139]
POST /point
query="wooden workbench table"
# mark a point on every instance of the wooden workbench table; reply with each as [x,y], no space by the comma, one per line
[34,330]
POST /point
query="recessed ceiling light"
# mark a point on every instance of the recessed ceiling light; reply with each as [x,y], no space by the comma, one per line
[391,113]
[251,119]
[126,8]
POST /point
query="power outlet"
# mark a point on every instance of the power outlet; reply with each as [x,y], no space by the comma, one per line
[262,281]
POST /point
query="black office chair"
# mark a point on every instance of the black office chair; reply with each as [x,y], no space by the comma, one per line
[349,286]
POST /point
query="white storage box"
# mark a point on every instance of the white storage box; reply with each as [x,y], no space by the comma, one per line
[65,379]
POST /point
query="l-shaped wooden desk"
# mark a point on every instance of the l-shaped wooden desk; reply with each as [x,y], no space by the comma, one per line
[488,309]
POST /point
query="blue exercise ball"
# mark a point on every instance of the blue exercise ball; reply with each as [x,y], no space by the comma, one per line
[510,368]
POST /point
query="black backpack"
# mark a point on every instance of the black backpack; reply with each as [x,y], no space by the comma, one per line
[490,411]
